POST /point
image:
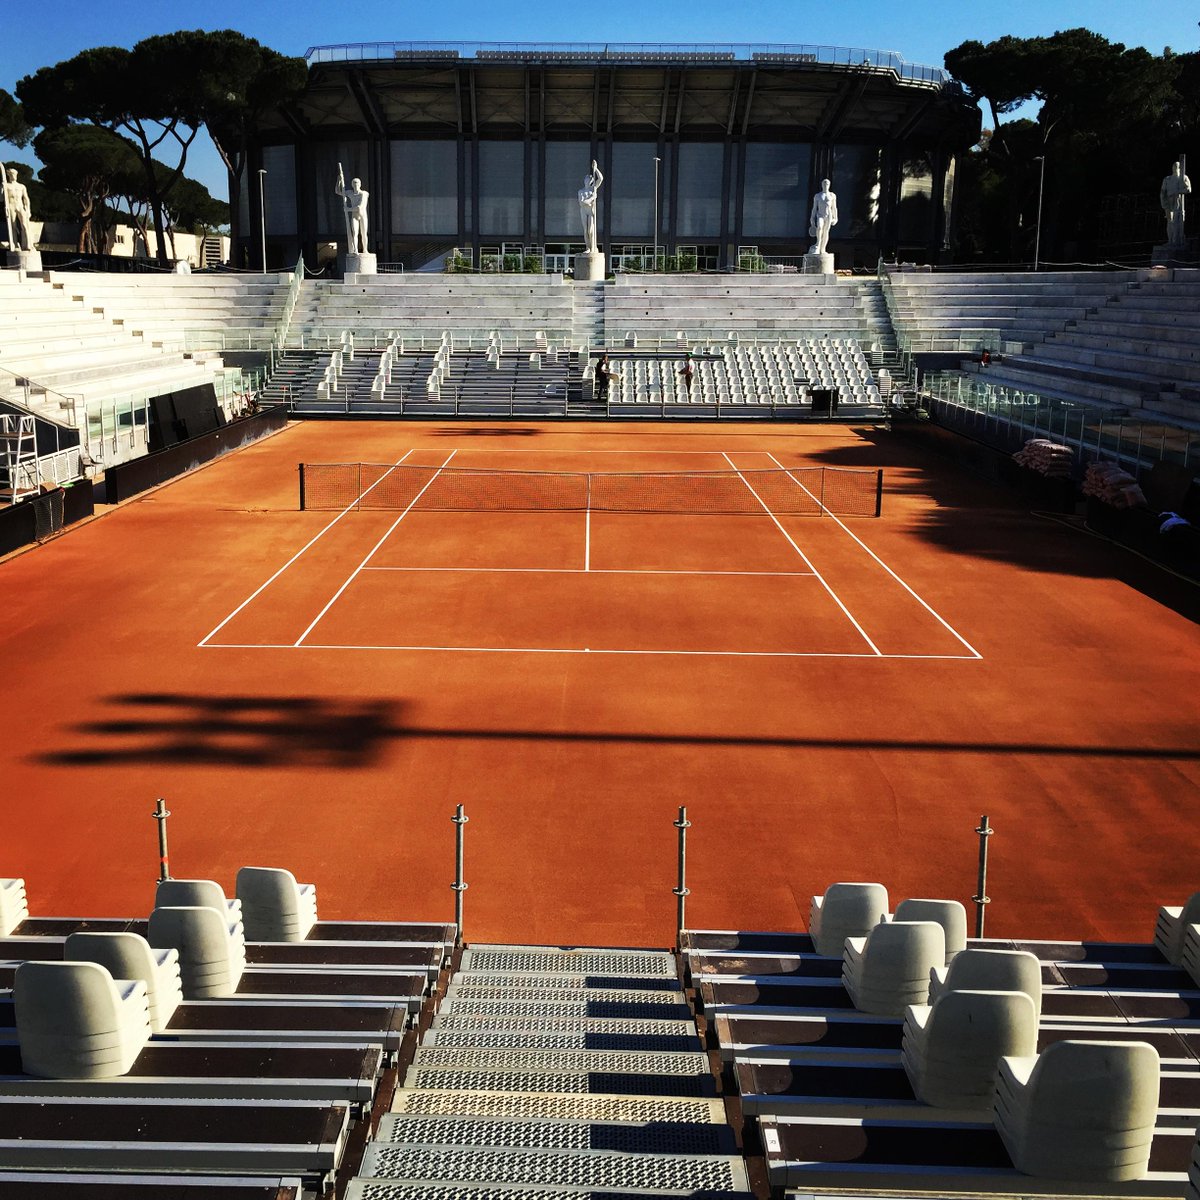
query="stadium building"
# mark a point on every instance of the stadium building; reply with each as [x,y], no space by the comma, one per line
[711,152]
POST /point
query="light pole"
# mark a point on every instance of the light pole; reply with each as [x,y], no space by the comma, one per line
[262,215]
[1037,237]
[657,160]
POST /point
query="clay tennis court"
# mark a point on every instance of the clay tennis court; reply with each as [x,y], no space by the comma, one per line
[832,697]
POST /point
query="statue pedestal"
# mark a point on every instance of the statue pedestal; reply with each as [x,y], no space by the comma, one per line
[589,267]
[361,264]
[818,264]
[25,260]
[1167,255]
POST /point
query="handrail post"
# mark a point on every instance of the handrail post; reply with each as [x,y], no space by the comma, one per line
[160,814]
[459,885]
[981,899]
[681,890]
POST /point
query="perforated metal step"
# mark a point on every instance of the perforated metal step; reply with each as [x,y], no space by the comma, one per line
[672,1137]
[578,1039]
[528,959]
[562,1062]
[575,1082]
[389,1189]
[465,1019]
[559,982]
[642,1006]
[552,1106]
[587,1168]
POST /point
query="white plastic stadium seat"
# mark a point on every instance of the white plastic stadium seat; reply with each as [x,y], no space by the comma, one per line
[977,969]
[130,956]
[846,910]
[74,1021]
[212,951]
[952,1048]
[275,908]
[949,914]
[1170,931]
[1082,1111]
[14,907]
[185,893]
[889,969]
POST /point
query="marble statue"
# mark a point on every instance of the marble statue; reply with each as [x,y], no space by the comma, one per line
[17,212]
[587,207]
[1172,196]
[823,218]
[354,204]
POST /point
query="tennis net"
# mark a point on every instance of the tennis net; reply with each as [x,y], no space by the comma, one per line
[800,491]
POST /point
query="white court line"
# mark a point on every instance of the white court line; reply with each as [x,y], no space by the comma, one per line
[592,571]
[936,616]
[371,552]
[348,508]
[820,577]
[877,657]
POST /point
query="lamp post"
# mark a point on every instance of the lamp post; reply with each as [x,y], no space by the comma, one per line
[657,160]
[1037,237]
[262,215]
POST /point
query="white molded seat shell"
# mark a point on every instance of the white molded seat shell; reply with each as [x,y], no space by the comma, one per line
[1081,1111]
[74,1021]
[189,893]
[130,956]
[889,969]
[846,910]
[949,914]
[952,1048]
[977,969]
[212,952]
[1170,930]
[14,905]
[275,908]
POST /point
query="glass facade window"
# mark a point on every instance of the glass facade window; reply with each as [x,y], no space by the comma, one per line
[632,194]
[566,165]
[279,186]
[775,199]
[425,187]
[698,189]
[856,181]
[916,199]
[331,223]
[501,188]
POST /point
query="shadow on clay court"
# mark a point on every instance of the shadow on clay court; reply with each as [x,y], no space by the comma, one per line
[242,731]
[501,430]
[273,731]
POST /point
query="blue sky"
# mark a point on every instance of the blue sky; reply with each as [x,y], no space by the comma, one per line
[921,32]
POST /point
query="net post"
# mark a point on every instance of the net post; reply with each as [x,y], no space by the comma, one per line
[459,885]
[160,814]
[681,891]
[300,467]
[879,491]
[981,899]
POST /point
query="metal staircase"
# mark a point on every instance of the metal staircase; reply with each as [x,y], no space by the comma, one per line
[554,1073]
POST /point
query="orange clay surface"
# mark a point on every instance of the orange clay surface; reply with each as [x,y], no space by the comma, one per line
[572,683]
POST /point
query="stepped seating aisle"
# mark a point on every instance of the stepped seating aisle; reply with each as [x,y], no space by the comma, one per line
[560,1073]
[265,1089]
[832,1089]
[77,358]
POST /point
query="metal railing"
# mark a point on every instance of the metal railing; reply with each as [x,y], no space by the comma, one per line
[641,53]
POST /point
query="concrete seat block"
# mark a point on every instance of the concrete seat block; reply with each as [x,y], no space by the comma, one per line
[182,893]
[275,907]
[14,905]
[845,910]
[949,914]
[976,969]
[212,951]
[889,969]
[130,956]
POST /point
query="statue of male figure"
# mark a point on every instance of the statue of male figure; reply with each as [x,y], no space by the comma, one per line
[17,212]
[354,205]
[1171,196]
[587,207]
[823,218]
